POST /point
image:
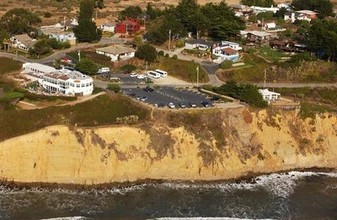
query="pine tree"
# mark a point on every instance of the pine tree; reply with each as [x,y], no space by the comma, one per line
[86,31]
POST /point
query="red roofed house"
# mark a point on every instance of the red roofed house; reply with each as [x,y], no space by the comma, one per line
[128,25]
[225,52]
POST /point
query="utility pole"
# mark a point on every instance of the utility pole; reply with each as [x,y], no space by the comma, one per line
[169,43]
[16,54]
[79,56]
[265,78]
[197,75]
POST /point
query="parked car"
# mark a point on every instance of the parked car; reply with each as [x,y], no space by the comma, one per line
[171,105]
[193,105]
[148,89]
[132,94]
[215,98]
[141,76]
[143,98]
[133,75]
[205,104]
[115,79]
[182,105]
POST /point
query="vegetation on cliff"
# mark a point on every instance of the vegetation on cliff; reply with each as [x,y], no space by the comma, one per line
[103,110]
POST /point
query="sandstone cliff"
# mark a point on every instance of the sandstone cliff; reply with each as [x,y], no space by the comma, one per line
[218,144]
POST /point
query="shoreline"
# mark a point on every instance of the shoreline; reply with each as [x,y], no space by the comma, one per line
[248,178]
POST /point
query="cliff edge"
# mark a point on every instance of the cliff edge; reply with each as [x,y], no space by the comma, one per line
[209,144]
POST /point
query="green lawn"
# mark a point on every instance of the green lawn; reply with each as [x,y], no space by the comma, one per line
[102,110]
[270,54]
[8,65]
[181,69]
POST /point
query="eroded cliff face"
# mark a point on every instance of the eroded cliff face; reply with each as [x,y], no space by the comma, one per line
[218,144]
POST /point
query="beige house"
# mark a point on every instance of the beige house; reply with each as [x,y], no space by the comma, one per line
[117,52]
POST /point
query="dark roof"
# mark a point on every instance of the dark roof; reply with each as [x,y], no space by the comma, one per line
[200,41]
[230,51]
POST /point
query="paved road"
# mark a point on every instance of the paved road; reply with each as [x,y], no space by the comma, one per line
[296,85]
[62,53]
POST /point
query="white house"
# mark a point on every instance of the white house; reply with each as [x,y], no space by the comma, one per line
[269,96]
[22,41]
[302,15]
[232,45]
[257,9]
[117,52]
[200,44]
[58,33]
[108,27]
[225,53]
[37,70]
[255,36]
[66,82]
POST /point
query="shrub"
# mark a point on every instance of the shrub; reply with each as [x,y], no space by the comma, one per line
[167,55]
[161,53]
[47,14]
[180,44]
[175,56]
[226,64]
[128,68]
[114,87]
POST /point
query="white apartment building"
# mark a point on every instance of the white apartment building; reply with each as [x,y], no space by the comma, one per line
[64,81]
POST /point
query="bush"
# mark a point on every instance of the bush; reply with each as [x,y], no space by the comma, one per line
[245,92]
[167,55]
[47,14]
[226,64]
[161,53]
[180,44]
[175,56]
[114,87]
[128,68]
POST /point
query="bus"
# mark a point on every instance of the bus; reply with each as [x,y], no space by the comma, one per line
[153,74]
[161,72]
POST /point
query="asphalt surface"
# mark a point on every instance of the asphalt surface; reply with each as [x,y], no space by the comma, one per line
[164,95]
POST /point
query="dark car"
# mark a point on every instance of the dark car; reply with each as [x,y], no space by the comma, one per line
[205,104]
[132,94]
[215,98]
[182,105]
[148,89]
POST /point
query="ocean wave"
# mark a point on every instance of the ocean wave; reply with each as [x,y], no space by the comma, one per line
[278,184]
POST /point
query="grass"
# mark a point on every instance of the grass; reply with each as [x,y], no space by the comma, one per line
[270,54]
[8,65]
[253,71]
[102,110]
[181,69]
[313,100]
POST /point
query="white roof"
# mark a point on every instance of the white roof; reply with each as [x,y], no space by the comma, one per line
[259,33]
[307,12]
[41,67]
[267,92]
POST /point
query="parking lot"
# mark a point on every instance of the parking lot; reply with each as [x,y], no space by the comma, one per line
[162,96]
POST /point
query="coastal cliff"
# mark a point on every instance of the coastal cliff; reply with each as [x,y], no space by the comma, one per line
[209,144]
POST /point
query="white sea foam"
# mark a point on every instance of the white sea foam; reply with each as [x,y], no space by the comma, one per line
[204,218]
[68,218]
[278,184]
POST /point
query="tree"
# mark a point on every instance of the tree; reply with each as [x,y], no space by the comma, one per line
[99,4]
[130,12]
[114,87]
[86,31]
[323,7]
[87,67]
[261,3]
[41,47]
[221,21]
[158,31]
[322,39]
[146,52]
[19,21]
[3,35]
[151,13]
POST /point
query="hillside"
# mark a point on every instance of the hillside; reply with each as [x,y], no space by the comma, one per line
[187,145]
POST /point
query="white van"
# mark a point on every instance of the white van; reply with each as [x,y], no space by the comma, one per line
[161,72]
[104,70]
[153,74]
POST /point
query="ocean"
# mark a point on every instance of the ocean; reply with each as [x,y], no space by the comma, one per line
[291,195]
